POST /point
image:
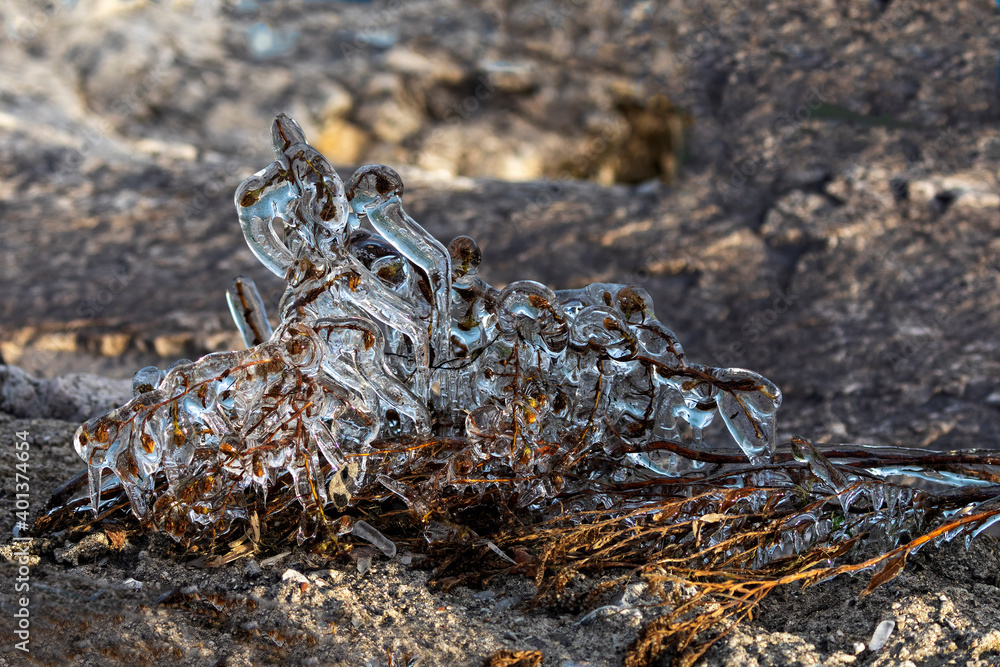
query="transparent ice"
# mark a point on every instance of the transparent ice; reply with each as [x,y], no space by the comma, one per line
[385,333]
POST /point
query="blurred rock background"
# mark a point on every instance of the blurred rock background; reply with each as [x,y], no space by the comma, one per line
[807,189]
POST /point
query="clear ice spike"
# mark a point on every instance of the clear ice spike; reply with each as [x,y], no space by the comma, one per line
[247,309]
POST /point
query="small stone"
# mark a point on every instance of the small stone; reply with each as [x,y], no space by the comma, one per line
[537,643]
[131,584]
[881,635]
[506,604]
[294,576]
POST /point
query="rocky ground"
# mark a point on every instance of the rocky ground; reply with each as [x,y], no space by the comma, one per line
[808,190]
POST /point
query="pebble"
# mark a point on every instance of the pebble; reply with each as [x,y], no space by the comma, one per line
[131,584]
[881,635]
[294,576]
[506,604]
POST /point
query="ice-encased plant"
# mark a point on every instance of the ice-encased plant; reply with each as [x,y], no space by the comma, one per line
[384,333]
[563,427]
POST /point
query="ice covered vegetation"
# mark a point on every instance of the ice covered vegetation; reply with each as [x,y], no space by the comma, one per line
[402,398]
[386,332]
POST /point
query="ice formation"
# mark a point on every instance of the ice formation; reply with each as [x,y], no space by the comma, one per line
[386,334]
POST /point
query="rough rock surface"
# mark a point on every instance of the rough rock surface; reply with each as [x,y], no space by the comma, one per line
[73,398]
[832,220]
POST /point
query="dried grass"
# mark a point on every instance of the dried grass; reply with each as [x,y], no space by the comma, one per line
[711,546]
